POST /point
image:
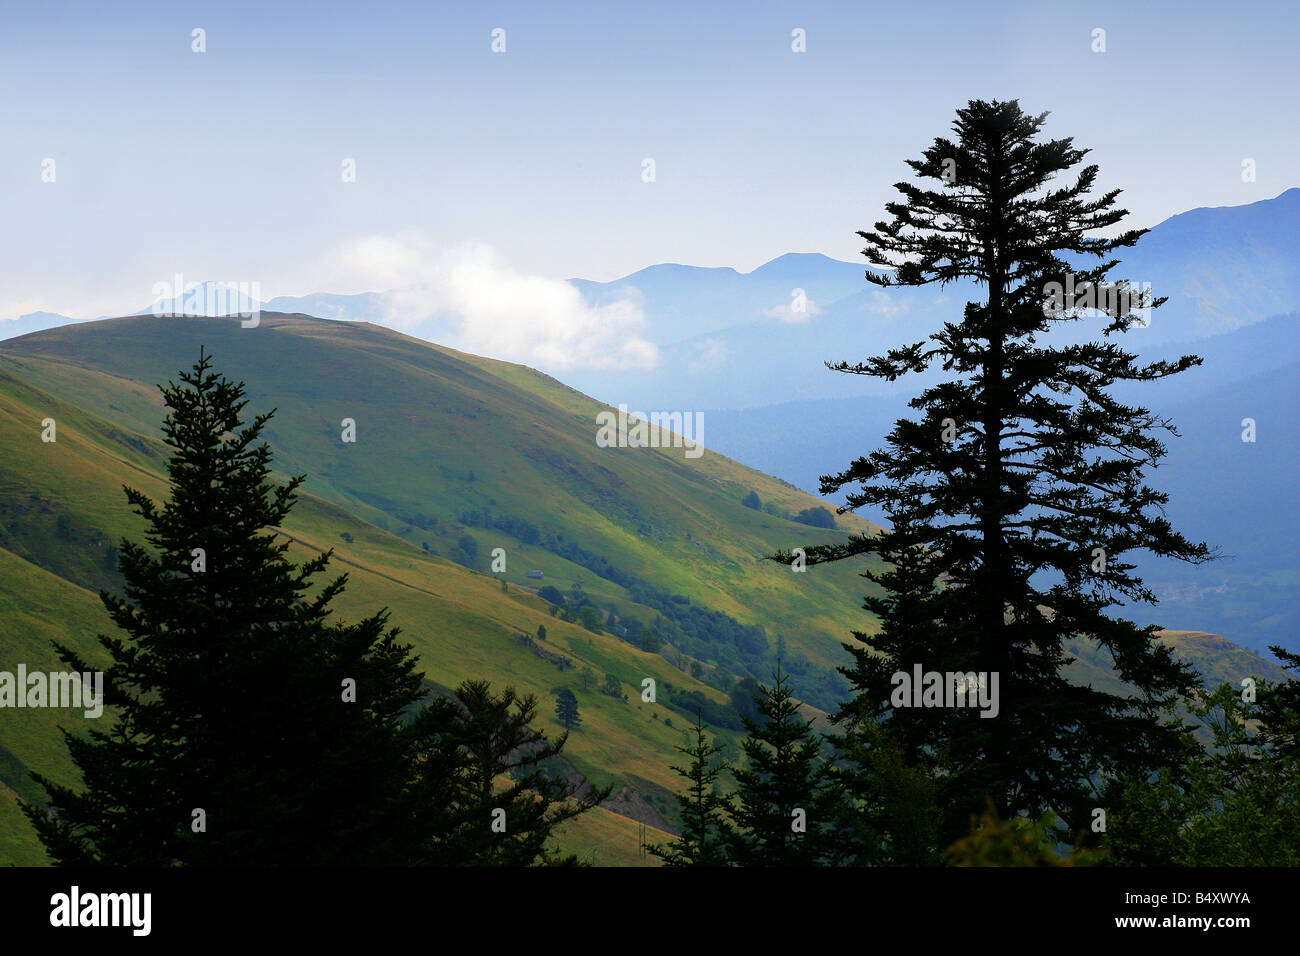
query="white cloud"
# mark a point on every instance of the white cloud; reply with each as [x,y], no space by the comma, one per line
[467,298]
[790,315]
[882,304]
[712,353]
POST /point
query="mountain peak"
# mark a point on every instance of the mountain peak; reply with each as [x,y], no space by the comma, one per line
[799,262]
[203,298]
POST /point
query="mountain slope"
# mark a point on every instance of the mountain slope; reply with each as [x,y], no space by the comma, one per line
[438,435]
[1232,493]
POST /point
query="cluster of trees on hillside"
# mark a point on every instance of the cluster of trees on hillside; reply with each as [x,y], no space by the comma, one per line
[252,728]
[853,797]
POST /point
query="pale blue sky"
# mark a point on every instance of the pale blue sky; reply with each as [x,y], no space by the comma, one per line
[226,165]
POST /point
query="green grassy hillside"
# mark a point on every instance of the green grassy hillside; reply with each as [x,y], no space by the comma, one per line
[439,434]
[447,445]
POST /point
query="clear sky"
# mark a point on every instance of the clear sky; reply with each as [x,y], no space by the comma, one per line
[227,164]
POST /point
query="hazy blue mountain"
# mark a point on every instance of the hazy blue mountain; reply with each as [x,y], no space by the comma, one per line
[1241,496]
[212,298]
[206,298]
[363,307]
[731,339]
[684,302]
[1235,494]
[1223,268]
[36,322]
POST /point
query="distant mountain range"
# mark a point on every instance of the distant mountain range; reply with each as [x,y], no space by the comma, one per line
[749,349]
[1236,494]
[735,340]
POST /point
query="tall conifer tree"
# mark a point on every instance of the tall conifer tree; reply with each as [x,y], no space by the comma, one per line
[1019,480]
[787,804]
[705,830]
[484,795]
[248,728]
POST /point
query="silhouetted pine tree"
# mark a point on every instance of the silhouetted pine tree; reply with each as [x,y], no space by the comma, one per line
[786,805]
[1015,470]
[230,686]
[705,830]
[496,802]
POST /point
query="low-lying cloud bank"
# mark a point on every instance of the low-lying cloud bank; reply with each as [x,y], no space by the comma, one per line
[466,297]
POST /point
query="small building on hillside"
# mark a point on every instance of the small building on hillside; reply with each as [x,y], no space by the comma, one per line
[534,574]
